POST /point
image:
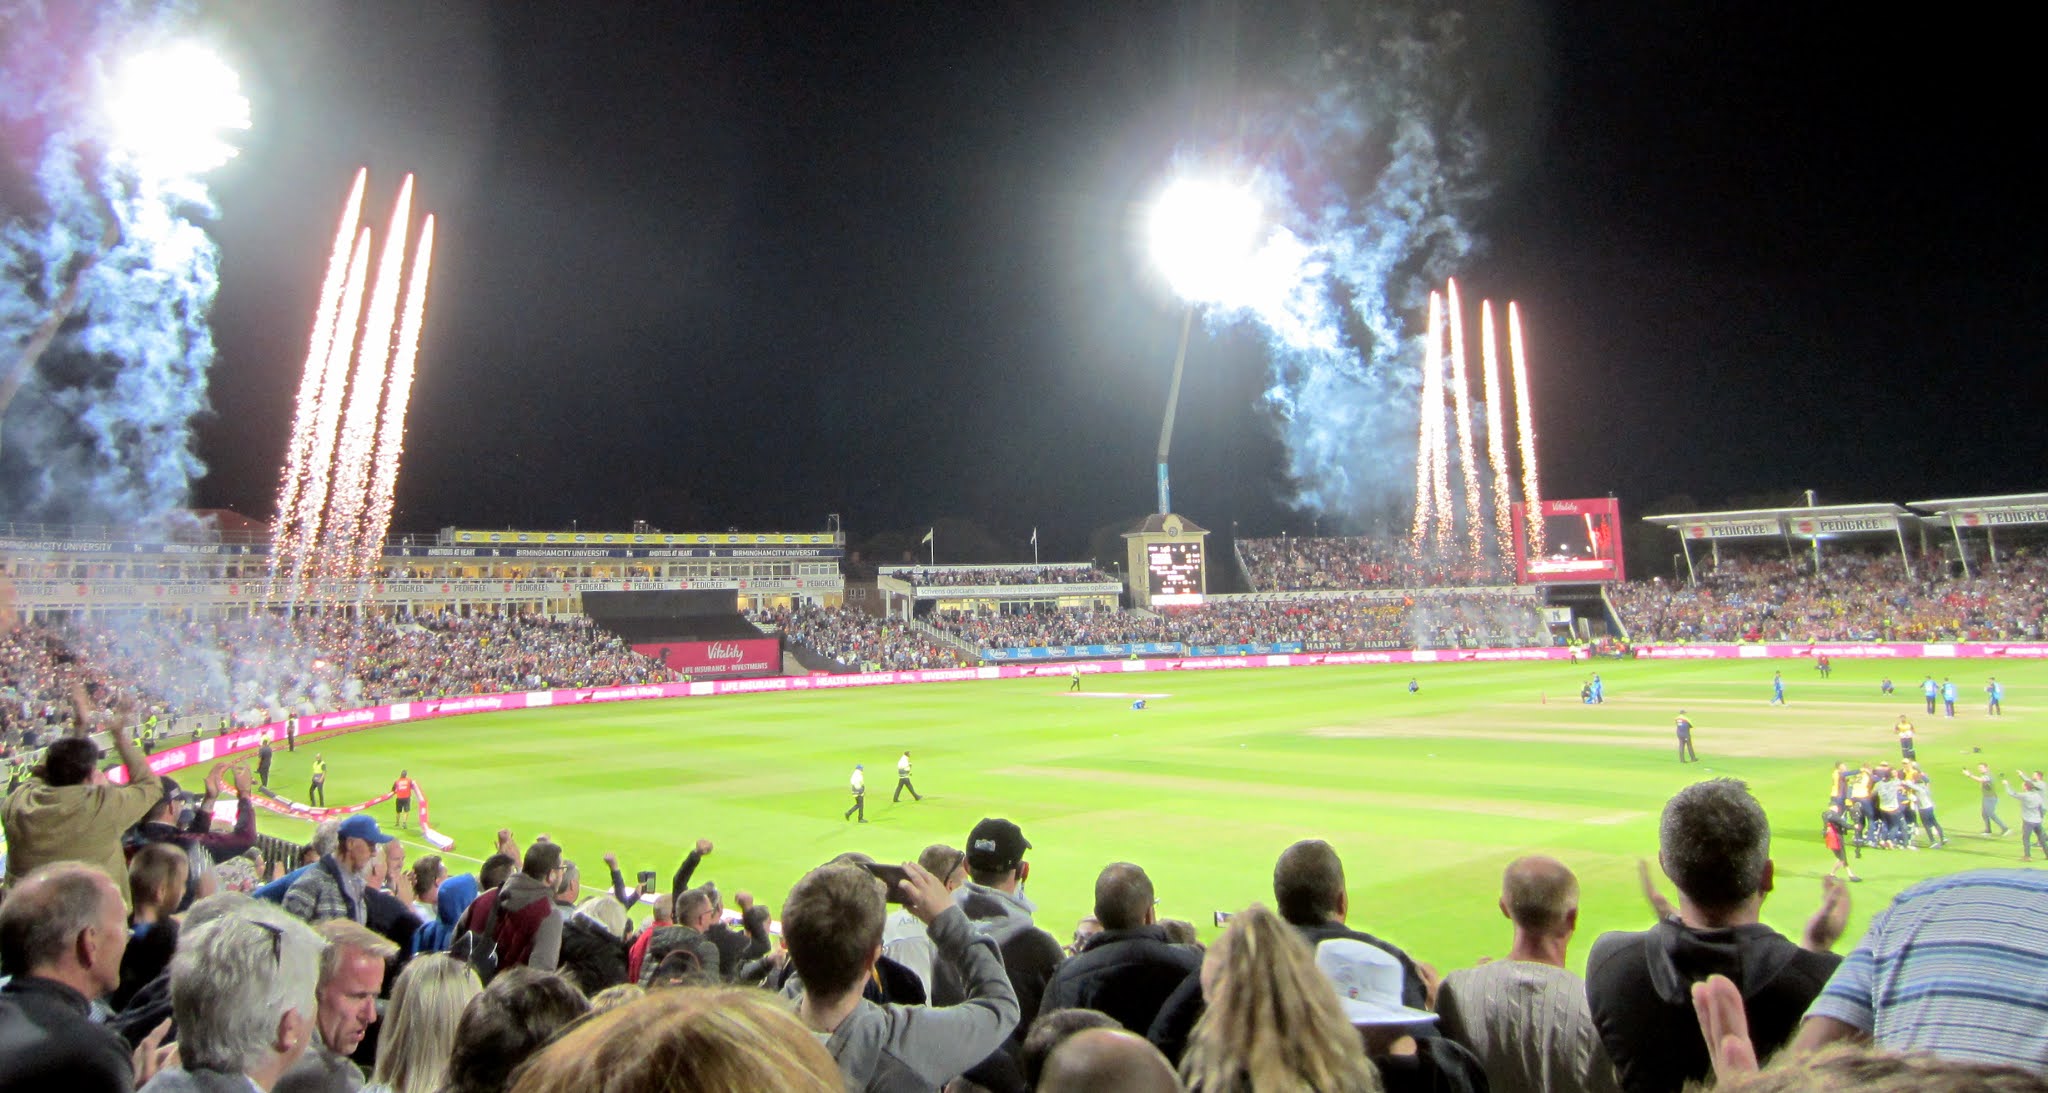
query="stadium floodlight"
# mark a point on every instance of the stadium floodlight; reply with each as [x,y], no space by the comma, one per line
[1202,233]
[167,108]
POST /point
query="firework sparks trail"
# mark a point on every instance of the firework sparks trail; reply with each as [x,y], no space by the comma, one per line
[391,437]
[1425,442]
[327,418]
[1461,396]
[1525,429]
[288,546]
[1496,437]
[346,505]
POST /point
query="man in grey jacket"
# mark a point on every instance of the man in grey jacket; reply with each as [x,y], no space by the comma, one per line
[2030,798]
[832,924]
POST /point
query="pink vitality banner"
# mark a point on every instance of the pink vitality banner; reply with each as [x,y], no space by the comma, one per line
[314,726]
[746,656]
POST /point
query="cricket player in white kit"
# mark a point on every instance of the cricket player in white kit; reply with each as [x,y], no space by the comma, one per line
[860,795]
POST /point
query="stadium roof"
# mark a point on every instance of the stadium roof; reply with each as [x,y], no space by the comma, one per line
[1996,501]
[1678,519]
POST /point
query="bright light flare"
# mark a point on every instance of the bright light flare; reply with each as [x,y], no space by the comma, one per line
[168,108]
[1203,234]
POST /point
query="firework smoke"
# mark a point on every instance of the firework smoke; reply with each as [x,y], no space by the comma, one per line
[1364,174]
[341,464]
[106,271]
[1461,405]
[1426,445]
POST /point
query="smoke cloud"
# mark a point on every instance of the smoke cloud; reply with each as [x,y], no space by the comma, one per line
[1370,171]
[106,278]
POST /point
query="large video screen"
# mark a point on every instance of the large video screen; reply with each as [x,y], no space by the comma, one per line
[1173,572]
[1581,542]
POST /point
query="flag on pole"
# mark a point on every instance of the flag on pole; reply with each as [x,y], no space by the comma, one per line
[927,537]
[1034,536]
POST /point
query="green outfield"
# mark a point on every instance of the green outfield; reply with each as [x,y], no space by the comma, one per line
[1426,796]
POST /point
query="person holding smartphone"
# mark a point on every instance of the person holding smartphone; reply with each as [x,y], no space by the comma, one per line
[890,1046]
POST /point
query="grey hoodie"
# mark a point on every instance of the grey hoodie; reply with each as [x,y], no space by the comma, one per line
[917,1049]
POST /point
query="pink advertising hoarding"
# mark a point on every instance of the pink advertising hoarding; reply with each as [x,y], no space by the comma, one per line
[740,656]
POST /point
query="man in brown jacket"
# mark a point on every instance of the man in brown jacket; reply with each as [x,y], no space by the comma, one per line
[70,812]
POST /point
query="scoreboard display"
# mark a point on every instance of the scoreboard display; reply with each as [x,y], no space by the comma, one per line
[1173,572]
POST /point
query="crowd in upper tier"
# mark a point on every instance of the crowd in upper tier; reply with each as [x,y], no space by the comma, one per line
[1343,562]
[129,963]
[960,576]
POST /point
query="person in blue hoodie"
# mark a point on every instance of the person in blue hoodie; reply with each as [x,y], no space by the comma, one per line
[454,897]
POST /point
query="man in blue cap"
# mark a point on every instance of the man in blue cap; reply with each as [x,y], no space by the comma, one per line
[333,888]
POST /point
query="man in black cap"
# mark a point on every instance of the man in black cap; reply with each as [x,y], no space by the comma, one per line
[994,901]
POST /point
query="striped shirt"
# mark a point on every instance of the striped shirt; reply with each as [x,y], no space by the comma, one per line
[1958,966]
[1530,1026]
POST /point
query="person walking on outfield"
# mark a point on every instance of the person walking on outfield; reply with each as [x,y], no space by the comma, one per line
[903,780]
[1905,730]
[263,757]
[1075,685]
[291,732]
[317,793]
[1928,688]
[1685,752]
[1996,696]
[402,789]
[1777,688]
[1990,806]
[1948,696]
[2031,808]
[860,795]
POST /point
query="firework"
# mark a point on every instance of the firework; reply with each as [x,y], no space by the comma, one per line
[341,466]
[1496,436]
[391,437]
[342,531]
[310,519]
[1525,430]
[287,537]
[1461,401]
[1425,444]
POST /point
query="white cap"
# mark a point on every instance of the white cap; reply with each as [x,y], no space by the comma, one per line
[1368,982]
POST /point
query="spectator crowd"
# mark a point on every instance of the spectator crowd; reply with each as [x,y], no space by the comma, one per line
[1339,563]
[1855,596]
[958,576]
[125,968]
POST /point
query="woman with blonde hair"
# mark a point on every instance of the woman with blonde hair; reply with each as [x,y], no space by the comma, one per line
[1273,1024]
[419,1025]
[686,1040]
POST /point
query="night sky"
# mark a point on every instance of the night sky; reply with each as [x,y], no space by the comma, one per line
[748,265]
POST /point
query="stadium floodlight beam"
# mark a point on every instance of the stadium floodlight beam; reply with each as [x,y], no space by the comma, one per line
[168,106]
[1202,232]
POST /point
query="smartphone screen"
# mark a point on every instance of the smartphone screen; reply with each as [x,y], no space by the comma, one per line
[647,878]
[888,875]
[1222,918]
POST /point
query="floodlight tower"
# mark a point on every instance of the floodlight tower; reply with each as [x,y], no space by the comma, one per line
[1201,232]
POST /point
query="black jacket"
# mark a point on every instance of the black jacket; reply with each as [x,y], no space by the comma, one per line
[48,1042]
[1639,986]
[736,947]
[1030,955]
[1127,974]
[592,955]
